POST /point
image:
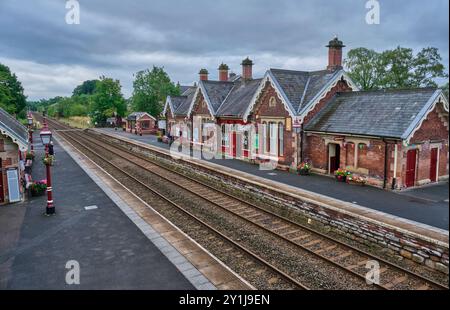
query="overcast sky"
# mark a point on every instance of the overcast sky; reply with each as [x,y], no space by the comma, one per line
[117,38]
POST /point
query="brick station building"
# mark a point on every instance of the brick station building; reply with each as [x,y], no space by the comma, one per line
[140,122]
[13,146]
[394,139]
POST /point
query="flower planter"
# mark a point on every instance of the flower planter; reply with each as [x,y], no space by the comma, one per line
[303,172]
[356,183]
[341,178]
[36,194]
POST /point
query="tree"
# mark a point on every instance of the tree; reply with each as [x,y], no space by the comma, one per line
[150,90]
[86,88]
[106,100]
[365,68]
[12,98]
[445,90]
[428,67]
[397,68]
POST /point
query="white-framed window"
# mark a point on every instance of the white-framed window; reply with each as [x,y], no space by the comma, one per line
[272,102]
[273,138]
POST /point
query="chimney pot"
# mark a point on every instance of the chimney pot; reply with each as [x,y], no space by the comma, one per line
[247,66]
[203,74]
[223,72]
[335,54]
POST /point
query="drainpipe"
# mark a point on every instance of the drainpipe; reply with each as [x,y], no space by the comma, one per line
[394,179]
[385,163]
[302,136]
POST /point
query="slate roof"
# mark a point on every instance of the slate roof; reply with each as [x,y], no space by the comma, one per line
[137,115]
[184,88]
[385,113]
[181,104]
[301,87]
[13,128]
[216,91]
[239,98]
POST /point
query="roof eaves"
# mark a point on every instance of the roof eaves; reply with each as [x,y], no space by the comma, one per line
[330,84]
[281,92]
[422,114]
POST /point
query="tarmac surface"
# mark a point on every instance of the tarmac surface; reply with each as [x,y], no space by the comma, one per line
[427,205]
[111,251]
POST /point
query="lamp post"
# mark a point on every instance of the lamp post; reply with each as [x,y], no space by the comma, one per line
[30,131]
[46,137]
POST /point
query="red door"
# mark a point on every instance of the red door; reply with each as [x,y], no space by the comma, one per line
[433,164]
[410,168]
[233,143]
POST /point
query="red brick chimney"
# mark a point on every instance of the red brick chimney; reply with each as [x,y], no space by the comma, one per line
[335,54]
[203,74]
[223,72]
[247,66]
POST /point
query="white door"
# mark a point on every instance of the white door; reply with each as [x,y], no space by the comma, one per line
[13,185]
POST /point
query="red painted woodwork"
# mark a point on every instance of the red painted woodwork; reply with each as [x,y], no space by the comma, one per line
[335,160]
[233,144]
[433,164]
[410,168]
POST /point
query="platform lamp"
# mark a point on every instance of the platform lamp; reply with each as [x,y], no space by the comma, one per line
[46,137]
[30,131]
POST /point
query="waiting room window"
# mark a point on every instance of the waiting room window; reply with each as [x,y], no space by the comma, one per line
[280,139]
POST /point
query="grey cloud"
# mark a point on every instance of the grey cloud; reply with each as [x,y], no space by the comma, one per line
[204,33]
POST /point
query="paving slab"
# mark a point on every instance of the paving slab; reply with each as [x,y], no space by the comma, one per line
[110,249]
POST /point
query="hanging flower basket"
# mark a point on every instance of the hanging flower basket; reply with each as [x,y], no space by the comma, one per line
[49,160]
[29,155]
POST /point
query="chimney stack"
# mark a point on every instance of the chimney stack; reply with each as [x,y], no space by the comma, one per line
[247,65]
[203,74]
[335,54]
[223,72]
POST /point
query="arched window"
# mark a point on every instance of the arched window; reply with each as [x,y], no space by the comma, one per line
[280,139]
[272,102]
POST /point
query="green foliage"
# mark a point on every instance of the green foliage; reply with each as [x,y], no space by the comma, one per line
[107,100]
[12,98]
[445,89]
[397,68]
[86,88]
[150,90]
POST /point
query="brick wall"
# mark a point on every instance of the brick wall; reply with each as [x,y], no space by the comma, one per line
[433,133]
[263,110]
[200,106]
[341,86]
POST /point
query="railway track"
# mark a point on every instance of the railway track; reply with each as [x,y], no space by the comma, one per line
[335,254]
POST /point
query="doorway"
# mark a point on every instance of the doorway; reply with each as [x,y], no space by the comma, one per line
[434,165]
[334,155]
[411,157]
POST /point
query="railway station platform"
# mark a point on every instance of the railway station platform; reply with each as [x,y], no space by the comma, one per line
[114,247]
[428,205]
